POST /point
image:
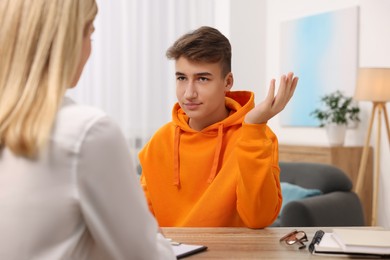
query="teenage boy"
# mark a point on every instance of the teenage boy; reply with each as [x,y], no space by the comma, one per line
[216,163]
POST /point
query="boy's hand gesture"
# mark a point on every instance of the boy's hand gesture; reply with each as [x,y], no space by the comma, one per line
[272,104]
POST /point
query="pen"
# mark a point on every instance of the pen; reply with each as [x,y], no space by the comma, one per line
[316,240]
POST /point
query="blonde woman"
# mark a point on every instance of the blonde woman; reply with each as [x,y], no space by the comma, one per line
[67,186]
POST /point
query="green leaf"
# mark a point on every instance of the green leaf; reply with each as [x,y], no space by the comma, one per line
[336,108]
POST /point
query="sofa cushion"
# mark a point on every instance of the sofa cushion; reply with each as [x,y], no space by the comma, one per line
[292,192]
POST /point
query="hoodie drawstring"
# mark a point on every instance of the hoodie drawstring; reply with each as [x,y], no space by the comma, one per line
[176,158]
[214,167]
[176,162]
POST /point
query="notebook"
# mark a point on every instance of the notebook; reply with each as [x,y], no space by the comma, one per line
[362,240]
[355,242]
[183,250]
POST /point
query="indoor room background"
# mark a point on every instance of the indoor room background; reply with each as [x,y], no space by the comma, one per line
[129,77]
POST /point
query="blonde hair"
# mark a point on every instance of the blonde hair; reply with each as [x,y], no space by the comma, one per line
[40,50]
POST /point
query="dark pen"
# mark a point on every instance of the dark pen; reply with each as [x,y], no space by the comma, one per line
[316,240]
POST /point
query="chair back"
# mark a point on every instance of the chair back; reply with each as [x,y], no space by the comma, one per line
[324,177]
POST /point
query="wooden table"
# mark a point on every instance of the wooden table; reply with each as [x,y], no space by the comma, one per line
[245,243]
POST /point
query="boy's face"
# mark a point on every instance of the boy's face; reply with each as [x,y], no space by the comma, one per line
[200,91]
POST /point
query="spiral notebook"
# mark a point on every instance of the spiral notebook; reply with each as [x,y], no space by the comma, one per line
[369,242]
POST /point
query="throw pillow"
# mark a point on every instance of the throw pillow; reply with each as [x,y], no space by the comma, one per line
[293,192]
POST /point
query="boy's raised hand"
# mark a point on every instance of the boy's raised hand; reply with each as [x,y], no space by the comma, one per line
[272,104]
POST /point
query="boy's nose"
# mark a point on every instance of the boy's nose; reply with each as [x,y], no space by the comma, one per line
[191,91]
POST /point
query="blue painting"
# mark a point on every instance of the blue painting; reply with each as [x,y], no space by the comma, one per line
[322,50]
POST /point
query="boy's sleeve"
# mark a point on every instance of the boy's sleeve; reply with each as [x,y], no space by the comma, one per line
[259,196]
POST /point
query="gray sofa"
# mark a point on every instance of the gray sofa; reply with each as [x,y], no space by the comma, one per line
[336,206]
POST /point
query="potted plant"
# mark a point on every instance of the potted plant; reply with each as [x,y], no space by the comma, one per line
[336,113]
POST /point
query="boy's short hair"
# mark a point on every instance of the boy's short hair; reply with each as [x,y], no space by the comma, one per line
[206,44]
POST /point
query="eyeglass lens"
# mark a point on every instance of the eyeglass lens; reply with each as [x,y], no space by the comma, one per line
[295,237]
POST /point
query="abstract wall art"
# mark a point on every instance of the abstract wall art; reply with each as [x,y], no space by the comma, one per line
[322,50]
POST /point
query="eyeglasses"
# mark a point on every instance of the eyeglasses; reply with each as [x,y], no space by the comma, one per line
[295,236]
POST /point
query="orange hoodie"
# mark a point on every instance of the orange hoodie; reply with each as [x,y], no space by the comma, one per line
[226,175]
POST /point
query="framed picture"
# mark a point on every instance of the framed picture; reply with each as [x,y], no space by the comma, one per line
[322,50]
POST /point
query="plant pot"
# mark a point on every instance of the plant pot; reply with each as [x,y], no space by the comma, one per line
[336,134]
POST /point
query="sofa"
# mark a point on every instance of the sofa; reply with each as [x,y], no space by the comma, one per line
[317,195]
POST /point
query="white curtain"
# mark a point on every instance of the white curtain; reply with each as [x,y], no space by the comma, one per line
[128,75]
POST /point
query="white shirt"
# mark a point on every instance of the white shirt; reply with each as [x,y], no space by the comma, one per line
[81,199]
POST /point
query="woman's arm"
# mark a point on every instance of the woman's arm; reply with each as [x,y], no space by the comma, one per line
[112,201]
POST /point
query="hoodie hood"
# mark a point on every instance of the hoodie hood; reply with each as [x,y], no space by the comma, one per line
[238,102]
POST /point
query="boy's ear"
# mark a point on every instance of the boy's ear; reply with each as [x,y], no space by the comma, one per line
[229,81]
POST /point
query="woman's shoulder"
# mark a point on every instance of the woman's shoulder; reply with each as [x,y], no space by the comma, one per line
[74,121]
[78,113]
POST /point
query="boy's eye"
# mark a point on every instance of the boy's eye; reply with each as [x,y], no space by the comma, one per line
[180,78]
[203,79]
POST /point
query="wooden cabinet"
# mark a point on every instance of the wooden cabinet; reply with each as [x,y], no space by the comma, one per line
[346,158]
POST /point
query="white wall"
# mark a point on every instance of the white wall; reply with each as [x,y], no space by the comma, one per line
[375,52]
[248,36]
